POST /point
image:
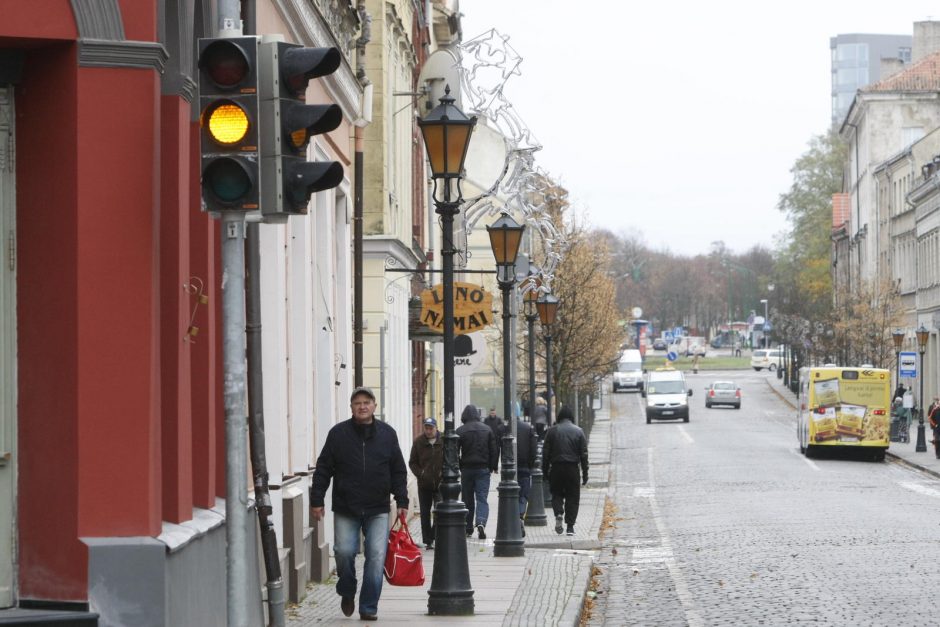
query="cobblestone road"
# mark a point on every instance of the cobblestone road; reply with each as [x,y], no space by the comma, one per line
[722,522]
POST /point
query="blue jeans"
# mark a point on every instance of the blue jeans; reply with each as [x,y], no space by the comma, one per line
[347,530]
[475,484]
[524,475]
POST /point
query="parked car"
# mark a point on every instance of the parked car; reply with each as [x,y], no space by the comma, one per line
[723,393]
[659,344]
[765,358]
[695,350]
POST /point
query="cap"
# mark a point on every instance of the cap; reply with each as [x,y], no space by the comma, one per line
[430,422]
[362,390]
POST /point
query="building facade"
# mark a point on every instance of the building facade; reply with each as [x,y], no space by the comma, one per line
[856,61]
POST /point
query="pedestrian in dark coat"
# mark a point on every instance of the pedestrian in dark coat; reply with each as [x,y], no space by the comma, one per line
[427,463]
[495,423]
[564,451]
[479,457]
[362,458]
[526,445]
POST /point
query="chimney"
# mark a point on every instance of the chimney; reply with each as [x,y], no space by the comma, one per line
[926,39]
[840,210]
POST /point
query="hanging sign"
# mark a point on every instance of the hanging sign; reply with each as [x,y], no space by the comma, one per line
[473,308]
[469,353]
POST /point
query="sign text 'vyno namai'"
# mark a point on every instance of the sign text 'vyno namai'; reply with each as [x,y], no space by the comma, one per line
[473,308]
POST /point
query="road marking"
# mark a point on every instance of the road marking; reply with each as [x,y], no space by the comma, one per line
[806,459]
[920,489]
[664,554]
[686,435]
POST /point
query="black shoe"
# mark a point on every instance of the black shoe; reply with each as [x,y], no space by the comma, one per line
[522,528]
[348,604]
[469,533]
[570,530]
[429,546]
[367,616]
[558,526]
[481,534]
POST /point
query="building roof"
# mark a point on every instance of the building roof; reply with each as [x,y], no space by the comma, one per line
[923,75]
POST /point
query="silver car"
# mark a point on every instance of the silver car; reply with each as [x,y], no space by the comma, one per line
[723,393]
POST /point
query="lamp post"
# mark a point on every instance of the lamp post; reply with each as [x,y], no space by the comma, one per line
[446,132]
[763,333]
[535,509]
[922,336]
[898,338]
[547,307]
[505,236]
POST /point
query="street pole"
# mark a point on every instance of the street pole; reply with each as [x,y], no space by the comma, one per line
[508,542]
[922,336]
[236,426]
[446,132]
[535,510]
[549,393]
[450,593]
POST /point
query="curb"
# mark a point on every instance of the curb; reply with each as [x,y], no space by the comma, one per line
[575,606]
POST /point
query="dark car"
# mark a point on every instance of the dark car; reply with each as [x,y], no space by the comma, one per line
[723,393]
[659,344]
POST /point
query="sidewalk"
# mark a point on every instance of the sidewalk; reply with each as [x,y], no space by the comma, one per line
[902,451]
[545,587]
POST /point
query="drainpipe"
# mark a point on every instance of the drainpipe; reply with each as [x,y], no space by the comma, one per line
[259,467]
[365,118]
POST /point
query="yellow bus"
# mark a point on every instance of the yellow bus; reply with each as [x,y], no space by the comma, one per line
[844,407]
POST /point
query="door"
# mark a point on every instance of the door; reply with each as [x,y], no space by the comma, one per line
[7,351]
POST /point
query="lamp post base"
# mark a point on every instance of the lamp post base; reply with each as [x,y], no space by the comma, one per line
[535,510]
[921,439]
[508,542]
[450,593]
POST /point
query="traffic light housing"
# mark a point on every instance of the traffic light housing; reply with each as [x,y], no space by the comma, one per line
[229,123]
[288,123]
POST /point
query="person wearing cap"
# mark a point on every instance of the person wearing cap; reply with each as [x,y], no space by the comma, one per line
[565,449]
[427,464]
[362,458]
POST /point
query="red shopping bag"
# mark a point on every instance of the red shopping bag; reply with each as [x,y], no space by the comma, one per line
[403,565]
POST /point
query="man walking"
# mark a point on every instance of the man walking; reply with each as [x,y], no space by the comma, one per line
[526,445]
[479,457]
[540,416]
[427,463]
[564,450]
[495,423]
[363,456]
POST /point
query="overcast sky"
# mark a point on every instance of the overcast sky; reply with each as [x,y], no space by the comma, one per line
[679,120]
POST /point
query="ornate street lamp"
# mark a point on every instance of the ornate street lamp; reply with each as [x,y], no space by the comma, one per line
[446,132]
[923,335]
[547,307]
[535,509]
[898,338]
[505,236]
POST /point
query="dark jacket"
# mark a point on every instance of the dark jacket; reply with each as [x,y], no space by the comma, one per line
[525,445]
[496,424]
[477,442]
[365,465]
[565,444]
[427,461]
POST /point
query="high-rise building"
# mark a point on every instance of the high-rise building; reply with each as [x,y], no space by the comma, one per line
[857,61]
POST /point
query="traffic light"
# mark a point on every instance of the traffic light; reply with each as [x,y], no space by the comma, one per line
[288,123]
[229,123]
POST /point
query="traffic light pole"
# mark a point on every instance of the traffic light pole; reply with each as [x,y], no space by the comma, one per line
[236,426]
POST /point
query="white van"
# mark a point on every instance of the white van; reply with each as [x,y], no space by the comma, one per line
[629,374]
[766,358]
[667,395]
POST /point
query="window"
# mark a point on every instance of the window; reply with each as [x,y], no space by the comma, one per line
[910,134]
[904,54]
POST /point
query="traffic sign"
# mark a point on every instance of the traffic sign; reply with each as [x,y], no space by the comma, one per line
[673,353]
[908,364]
